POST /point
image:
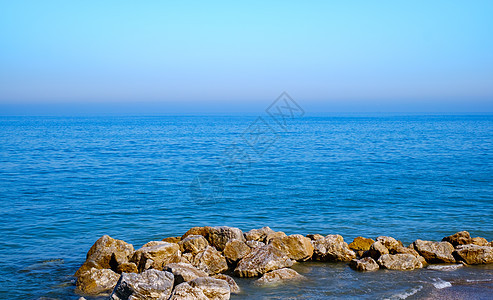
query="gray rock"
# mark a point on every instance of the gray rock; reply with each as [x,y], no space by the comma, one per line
[258,234]
[364,264]
[233,287]
[213,288]
[262,260]
[399,262]
[254,244]
[185,291]
[184,272]
[220,235]
[148,285]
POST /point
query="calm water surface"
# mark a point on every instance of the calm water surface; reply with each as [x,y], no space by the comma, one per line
[64,182]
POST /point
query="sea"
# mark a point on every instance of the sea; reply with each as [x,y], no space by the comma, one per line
[66,181]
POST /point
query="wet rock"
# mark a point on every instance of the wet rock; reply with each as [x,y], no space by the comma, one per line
[254,244]
[435,252]
[479,241]
[279,275]
[474,254]
[107,253]
[97,281]
[314,236]
[212,288]
[389,242]
[459,238]
[258,234]
[185,291]
[210,261]
[295,246]
[262,260]
[184,272]
[399,262]
[172,239]
[220,235]
[361,244]
[274,235]
[193,244]
[128,267]
[156,254]
[377,249]
[233,287]
[235,250]
[332,248]
[148,285]
[364,264]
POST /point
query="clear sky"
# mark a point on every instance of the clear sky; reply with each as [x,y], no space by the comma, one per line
[220,56]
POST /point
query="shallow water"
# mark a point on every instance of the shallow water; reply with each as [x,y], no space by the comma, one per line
[64,182]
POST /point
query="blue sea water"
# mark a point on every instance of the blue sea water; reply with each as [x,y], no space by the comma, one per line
[66,181]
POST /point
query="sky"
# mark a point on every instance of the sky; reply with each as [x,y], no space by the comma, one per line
[160,57]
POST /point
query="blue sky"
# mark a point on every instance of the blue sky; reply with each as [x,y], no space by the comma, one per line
[198,56]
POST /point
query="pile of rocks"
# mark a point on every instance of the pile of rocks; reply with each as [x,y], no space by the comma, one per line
[193,266]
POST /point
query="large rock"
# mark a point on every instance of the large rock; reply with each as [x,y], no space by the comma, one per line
[235,250]
[193,244]
[254,244]
[210,261]
[474,254]
[480,241]
[279,275]
[184,291]
[332,248]
[315,236]
[376,250]
[148,285]
[233,287]
[262,260]
[184,272]
[97,281]
[220,235]
[361,244]
[435,252]
[172,239]
[399,262]
[405,250]
[364,264]
[128,267]
[459,238]
[295,246]
[389,242]
[212,288]
[274,235]
[258,234]
[156,254]
[106,253]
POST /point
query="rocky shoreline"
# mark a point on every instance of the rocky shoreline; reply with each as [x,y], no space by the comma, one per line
[201,264]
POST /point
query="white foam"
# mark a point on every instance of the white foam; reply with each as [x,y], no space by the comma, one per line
[441,284]
[406,295]
[445,267]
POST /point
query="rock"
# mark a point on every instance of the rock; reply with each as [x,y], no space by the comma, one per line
[459,238]
[377,249]
[361,244]
[474,254]
[86,266]
[364,264]
[295,246]
[262,260]
[156,254]
[314,236]
[279,275]
[210,261]
[172,239]
[235,250]
[254,244]
[128,267]
[187,257]
[389,242]
[399,262]
[274,235]
[479,241]
[404,250]
[435,252]
[97,281]
[193,244]
[213,288]
[332,248]
[258,234]
[185,291]
[148,285]
[220,235]
[233,287]
[107,253]
[184,272]
[203,231]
